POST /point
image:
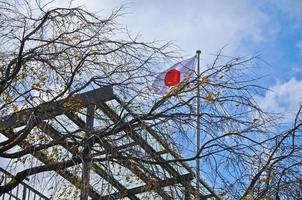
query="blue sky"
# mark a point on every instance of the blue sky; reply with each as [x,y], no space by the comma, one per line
[270,28]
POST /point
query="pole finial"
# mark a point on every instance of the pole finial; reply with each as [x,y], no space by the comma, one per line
[198,51]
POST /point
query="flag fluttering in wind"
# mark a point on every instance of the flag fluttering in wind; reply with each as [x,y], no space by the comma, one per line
[174,75]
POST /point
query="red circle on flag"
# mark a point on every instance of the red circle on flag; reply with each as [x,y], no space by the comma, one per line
[172,77]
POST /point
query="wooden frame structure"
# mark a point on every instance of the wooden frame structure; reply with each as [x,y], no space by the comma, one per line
[22,192]
[141,138]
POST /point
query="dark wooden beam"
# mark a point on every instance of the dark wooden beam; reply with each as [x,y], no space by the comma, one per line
[56,135]
[73,179]
[86,166]
[98,97]
[167,149]
[150,186]
[139,140]
[126,163]
[52,109]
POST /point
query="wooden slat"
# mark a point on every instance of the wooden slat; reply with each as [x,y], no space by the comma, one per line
[53,109]
[167,149]
[156,185]
[75,180]
[54,134]
[126,163]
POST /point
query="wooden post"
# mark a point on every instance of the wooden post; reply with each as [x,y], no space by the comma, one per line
[187,191]
[86,166]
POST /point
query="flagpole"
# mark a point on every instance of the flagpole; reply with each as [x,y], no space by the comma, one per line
[198,125]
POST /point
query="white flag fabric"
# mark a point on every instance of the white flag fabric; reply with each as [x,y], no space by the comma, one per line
[174,75]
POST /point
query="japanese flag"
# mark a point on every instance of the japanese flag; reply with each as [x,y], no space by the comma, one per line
[174,75]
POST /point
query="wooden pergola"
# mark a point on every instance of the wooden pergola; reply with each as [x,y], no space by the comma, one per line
[140,138]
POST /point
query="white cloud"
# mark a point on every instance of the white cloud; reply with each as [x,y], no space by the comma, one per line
[207,25]
[283,98]
[296,69]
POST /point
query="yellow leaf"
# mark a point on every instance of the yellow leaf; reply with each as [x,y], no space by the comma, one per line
[209,97]
[204,80]
[15,107]
[248,194]
[265,180]
[35,86]
[9,98]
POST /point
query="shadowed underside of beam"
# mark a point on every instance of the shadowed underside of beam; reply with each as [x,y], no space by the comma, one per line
[52,109]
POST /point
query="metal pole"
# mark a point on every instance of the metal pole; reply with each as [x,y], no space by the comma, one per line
[198,125]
